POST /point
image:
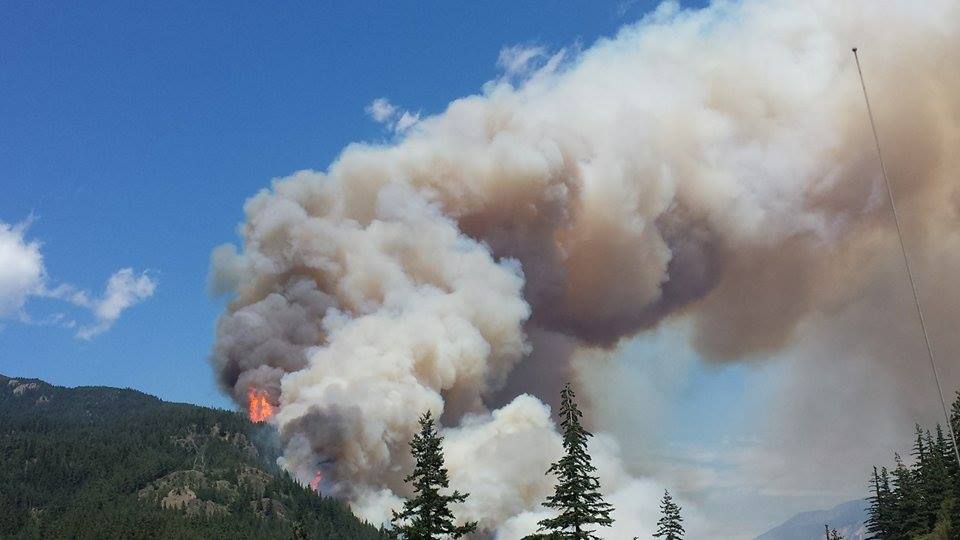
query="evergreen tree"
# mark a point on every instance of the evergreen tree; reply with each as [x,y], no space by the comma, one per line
[955,510]
[428,515]
[908,504]
[919,452]
[880,524]
[954,466]
[936,481]
[577,495]
[955,415]
[924,498]
[945,450]
[670,526]
[921,470]
[299,532]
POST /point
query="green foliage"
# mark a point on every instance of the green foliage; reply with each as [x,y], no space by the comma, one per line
[91,462]
[955,414]
[880,521]
[428,514]
[576,495]
[920,501]
[670,526]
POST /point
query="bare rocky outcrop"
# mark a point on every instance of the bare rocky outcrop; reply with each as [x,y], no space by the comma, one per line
[21,389]
[174,489]
[191,490]
[195,439]
[268,507]
[183,498]
[254,479]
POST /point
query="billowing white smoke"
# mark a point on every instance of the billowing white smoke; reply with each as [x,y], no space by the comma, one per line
[712,164]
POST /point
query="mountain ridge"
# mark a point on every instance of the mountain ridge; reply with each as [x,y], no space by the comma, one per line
[848,518]
[103,462]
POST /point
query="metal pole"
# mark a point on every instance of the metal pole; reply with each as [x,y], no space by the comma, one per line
[906,260]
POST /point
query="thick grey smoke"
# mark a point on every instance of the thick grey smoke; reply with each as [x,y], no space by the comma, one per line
[713,165]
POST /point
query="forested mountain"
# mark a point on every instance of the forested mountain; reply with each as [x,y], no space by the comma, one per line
[95,462]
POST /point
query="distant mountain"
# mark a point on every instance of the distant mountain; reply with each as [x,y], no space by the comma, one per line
[847,518]
[96,462]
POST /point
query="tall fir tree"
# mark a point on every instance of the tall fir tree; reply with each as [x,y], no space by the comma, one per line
[427,515]
[955,414]
[936,482]
[955,510]
[576,496]
[889,506]
[908,504]
[945,449]
[670,526]
[880,523]
[955,423]
[875,516]
[921,475]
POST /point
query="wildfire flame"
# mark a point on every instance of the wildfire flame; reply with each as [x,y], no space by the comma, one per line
[259,407]
[315,483]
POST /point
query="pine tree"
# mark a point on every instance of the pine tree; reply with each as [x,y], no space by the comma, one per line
[428,515]
[955,415]
[880,515]
[955,423]
[299,532]
[936,485]
[577,495]
[955,511]
[945,450]
[907,513]
[922,473]
[670,526]
[924,498]
[919,452]
[889,505]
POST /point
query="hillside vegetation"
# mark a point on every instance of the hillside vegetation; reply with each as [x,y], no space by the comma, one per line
[95,462]
[919,500]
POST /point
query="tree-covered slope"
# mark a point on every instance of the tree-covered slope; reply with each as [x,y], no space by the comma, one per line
[97,462]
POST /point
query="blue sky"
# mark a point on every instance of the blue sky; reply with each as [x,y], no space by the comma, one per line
[133,134]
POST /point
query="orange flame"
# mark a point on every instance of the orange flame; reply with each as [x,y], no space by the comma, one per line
[258,405]
[315,483]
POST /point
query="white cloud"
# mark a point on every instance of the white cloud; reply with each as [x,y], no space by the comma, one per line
[124,289]
[381,110]
[520,59]
[530,64]
[392,117]
[22,275]
[21,268]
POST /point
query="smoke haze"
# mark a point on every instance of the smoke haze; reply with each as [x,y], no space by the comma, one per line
[710,166]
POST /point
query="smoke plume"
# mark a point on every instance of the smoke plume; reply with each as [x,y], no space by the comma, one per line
[713,165]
